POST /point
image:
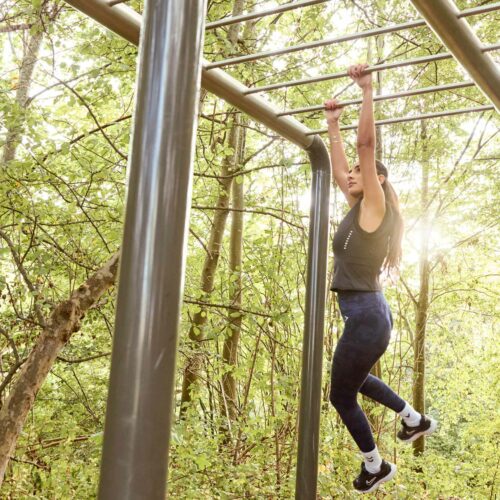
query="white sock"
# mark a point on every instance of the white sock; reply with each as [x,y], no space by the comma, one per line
[410,416]
[373,461]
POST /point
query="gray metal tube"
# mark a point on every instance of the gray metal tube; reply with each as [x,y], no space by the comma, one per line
[414,118]
[443,17]
[231,90]
[345,38]
[151,277]
[312,348]
[319,43]
[120,19]
[262,13]
[375,67]
[482,9]
[406,93]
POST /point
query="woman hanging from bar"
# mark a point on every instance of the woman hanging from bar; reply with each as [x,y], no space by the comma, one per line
[368,238]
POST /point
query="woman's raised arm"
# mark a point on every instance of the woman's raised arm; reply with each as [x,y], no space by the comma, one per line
[373,194]
[338,158]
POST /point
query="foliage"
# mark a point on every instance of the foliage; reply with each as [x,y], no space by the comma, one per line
[62,203]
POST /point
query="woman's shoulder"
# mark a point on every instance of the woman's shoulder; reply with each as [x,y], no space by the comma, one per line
[384,226]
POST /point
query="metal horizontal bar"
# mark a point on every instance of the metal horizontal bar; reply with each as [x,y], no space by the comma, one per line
[490,48]
[413,118]
[319,43]
[445,20]
[483,9]
[263,13]
[232,91]
[406,93]
[127,23]
[120,19]
[376,67]
[344,38]
[342,74]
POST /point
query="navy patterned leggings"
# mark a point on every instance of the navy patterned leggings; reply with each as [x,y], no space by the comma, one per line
[368,324]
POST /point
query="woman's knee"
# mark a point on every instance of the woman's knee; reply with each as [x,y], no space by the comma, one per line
[341,399]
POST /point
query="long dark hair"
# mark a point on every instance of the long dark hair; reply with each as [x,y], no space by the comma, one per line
[394,250]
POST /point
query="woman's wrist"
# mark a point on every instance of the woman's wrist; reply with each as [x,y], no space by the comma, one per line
[334,132]
[332,122]
[368,88]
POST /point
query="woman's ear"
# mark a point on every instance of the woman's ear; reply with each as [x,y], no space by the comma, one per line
[381,178]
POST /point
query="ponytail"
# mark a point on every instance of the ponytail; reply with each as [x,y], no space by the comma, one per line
[394,250]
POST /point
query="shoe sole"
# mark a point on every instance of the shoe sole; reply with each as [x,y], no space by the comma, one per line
[427,432]
[384,479]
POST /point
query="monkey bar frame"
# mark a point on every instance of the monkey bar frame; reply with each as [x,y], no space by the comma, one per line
[135,451]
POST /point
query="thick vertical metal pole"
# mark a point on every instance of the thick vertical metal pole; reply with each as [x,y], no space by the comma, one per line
[151,277]
[312,349]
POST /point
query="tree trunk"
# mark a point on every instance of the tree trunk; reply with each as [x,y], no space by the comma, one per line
[196,332]
[194,362]
[15,118]
[63,322]
[229,401]
[30,55]
[423,298]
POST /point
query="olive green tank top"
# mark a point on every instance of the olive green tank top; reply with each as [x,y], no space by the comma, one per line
[358,254]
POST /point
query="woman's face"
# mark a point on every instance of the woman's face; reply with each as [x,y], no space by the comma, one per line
[355,181]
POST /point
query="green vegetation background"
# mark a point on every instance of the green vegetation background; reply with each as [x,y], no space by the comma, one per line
[62,200]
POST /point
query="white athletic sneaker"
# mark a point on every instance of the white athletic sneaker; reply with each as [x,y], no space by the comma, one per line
[426,427]
[367,482]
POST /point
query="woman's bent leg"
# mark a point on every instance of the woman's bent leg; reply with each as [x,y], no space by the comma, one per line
[377,390]
[365,338]
[343,396]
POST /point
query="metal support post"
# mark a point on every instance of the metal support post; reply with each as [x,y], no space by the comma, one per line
[312,348]
[151,277]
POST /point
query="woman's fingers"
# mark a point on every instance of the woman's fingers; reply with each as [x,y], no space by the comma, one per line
[357,70]
[331,104]
[354,71]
